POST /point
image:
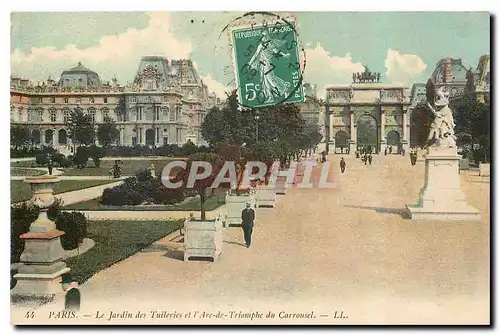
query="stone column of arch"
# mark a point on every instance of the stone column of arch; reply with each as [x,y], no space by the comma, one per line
[383,138]
[406,130]
[353,136]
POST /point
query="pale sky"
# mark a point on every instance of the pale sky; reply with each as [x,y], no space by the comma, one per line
[404,47]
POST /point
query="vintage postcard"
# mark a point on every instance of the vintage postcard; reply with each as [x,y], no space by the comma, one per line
[250,168]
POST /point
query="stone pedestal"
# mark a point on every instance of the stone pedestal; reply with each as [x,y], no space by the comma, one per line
[442,198]
[42,268]
[203,238]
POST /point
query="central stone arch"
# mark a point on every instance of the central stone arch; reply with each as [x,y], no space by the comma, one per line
[342,140]
[367,132]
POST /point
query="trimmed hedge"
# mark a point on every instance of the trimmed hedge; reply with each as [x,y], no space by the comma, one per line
[142,188]
[169,150]
[74,224]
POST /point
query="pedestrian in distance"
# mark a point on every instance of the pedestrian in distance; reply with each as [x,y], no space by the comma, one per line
[370,159]
[247,221]
[50,166]
[342,165]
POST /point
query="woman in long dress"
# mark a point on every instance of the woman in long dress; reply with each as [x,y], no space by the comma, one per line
[271,85]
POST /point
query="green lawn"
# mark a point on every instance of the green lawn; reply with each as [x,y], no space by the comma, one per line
[24,164]
[193,204]
[116,241]
[20,191]
[129,167]
[15,171]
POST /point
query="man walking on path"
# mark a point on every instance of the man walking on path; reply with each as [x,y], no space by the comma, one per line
[370,159]
[342,165]
[247,217]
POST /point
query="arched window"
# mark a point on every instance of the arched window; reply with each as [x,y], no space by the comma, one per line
[92,100]
[66,100]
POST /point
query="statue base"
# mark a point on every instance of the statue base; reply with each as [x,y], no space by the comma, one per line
[42,268]
[442,198]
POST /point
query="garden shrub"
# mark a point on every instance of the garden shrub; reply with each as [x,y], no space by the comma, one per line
[139,189]
[74,225]
[189,148]
[41,159]
[21,217]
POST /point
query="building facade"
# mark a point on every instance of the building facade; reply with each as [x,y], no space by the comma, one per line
[367,114]
[310,109]
[478,81]
[451,75]
[166,104]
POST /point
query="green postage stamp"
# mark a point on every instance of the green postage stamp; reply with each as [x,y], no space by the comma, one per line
[267,64]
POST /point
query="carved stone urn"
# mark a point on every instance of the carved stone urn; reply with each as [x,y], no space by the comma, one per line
[42,189]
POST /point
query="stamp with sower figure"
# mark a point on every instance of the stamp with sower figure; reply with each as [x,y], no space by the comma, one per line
[268,60]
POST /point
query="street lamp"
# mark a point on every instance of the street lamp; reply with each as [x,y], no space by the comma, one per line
[257,128]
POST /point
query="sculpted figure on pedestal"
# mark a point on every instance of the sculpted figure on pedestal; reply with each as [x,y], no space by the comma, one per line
[442,132]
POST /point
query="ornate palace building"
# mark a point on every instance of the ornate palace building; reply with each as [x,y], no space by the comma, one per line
[166,103]
[365,114]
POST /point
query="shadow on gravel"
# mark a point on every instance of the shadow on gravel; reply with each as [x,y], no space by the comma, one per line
[383,210]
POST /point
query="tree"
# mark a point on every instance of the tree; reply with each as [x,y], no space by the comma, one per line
[265,152]
[80,128]
[229,124]
[238,154]
[201,185]
[19,136]
[107,133]
[472,120]
[81,157]
[276,124]
[96,153]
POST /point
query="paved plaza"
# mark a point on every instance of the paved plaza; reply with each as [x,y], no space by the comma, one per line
[349,249]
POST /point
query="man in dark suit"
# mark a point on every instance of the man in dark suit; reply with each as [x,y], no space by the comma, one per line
[247,217]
